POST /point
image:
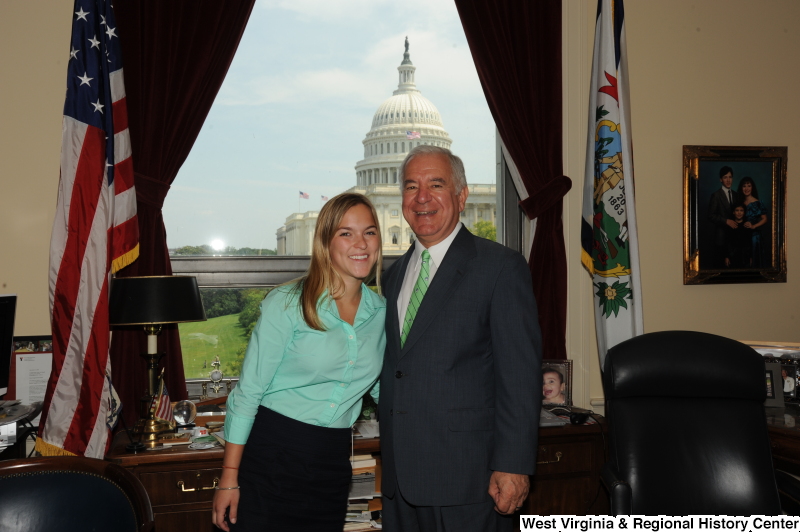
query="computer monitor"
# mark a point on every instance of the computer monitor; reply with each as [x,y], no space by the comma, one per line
[8,308]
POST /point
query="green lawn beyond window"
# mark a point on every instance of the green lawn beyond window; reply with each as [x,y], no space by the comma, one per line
[202,341]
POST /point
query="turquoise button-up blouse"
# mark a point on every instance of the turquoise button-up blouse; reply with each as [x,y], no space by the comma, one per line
[317,377]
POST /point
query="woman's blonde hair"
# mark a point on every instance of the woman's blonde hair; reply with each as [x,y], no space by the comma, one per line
[321,275]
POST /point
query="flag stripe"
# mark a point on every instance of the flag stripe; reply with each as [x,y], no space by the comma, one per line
[98,442]
[92,377]
[120,116]
[122,147]
[123,178]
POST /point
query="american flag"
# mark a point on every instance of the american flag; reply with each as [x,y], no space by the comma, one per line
[412,135]
[95,233]
[324,198]
[161,406]
[304,195]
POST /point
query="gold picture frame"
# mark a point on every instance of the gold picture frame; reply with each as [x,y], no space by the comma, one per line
[714,250]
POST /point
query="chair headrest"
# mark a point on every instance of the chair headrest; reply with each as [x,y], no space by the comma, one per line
[684,364]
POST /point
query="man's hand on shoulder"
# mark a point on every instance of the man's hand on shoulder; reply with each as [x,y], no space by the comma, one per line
[508,490]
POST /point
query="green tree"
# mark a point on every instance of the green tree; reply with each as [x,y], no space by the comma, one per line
[485,229]
[251,299]
[221,301]
[250,252]
[193,250]
[235,366]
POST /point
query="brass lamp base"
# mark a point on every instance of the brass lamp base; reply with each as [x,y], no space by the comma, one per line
[147,431]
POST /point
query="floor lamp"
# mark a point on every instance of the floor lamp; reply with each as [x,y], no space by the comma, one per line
[152,302]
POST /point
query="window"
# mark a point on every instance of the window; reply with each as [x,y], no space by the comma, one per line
[240,185]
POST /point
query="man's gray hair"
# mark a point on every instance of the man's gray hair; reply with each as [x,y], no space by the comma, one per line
[457,173]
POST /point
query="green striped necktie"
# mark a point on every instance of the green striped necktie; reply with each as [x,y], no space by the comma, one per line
[420,288]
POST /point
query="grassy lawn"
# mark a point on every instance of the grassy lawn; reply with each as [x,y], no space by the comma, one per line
[203,340]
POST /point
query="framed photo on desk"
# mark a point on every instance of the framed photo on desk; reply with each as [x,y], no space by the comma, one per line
[557,382]
[774,385]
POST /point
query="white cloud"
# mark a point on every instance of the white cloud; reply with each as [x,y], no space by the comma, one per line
[386,11]
[312,86]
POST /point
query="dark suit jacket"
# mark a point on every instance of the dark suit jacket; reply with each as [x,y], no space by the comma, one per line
[462,397]
[720,211]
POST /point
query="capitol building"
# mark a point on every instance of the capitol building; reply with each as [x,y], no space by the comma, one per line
[404,120]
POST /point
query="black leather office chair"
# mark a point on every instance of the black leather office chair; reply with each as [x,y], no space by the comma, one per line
[71,493]
[688,432]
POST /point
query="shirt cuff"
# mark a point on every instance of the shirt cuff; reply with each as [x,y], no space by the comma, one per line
[237,429]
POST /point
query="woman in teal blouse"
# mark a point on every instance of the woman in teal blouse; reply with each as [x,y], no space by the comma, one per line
[315,351]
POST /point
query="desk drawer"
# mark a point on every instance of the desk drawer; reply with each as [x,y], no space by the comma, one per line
[165,487]
[560,458]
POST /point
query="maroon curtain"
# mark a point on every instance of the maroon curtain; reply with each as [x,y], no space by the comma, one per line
[516,46]
[175,57]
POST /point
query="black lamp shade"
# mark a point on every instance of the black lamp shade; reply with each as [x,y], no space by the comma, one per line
[154,300]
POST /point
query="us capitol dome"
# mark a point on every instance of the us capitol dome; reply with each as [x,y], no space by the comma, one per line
[404,120]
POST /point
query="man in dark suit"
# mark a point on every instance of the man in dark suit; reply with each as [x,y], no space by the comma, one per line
[461,382]
[720,213]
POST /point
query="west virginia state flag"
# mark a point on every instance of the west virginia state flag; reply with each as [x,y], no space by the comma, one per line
[608,230]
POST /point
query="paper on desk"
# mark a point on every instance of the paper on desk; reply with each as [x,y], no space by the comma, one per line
[363,487]
[367,429]
[33,371]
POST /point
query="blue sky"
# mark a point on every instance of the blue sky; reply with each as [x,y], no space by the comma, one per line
[299,99]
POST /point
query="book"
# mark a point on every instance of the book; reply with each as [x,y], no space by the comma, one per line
[168,441]
[364,463]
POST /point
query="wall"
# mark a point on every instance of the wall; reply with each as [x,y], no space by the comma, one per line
[710,72]
[34,38]
[702,72]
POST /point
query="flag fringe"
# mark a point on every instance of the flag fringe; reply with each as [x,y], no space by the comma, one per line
[587,262]
[48,449]
[125,259]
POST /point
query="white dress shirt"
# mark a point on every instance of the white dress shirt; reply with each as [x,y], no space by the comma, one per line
[437,252]
[728,195]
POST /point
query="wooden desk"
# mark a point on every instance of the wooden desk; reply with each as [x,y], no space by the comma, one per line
[569,485]
[566,485]
[783,425]
[177,508]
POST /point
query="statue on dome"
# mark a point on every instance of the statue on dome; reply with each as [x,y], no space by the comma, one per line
[406,43]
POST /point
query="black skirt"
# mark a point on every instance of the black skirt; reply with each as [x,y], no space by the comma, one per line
[293,476]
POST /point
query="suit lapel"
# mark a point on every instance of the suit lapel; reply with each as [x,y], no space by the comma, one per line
[448,276]
[393,286]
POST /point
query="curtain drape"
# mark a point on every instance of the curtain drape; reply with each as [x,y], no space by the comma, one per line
[175,56]
[516,47]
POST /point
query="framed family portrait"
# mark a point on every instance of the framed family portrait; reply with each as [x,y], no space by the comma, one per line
[734,214]
[557,382]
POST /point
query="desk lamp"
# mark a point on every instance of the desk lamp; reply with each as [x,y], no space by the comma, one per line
[153,302]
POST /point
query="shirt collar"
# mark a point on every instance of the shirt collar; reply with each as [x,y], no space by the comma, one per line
[370,301]
[437,251]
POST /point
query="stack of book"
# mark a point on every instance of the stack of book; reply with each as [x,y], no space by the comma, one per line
[364,505]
